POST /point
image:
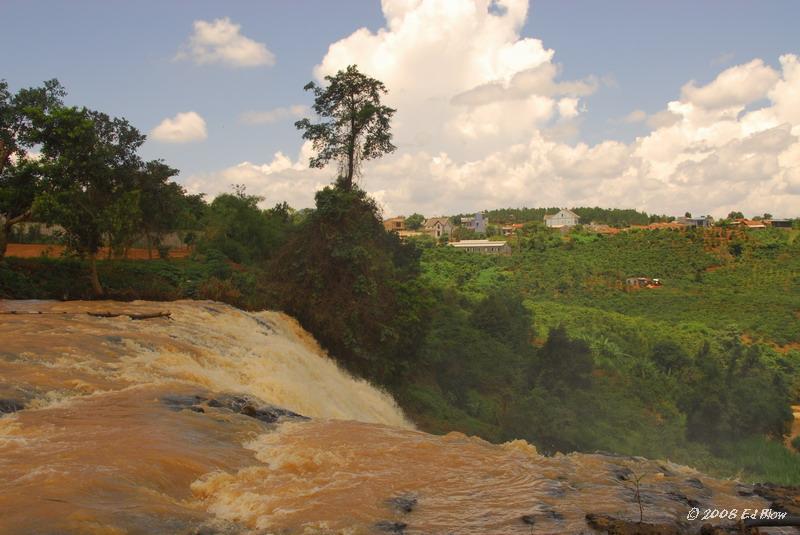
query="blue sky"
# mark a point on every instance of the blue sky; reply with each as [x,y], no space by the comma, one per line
[120,58]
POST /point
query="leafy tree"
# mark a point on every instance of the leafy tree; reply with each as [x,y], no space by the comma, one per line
[735,215]
[20,178]
[93,163]
[242,231]
[563,363]
[162,202]
[354,125]
[414,221]
[352,284]
[669,357]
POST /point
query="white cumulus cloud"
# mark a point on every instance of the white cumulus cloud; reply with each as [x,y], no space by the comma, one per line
[484,117]
[183,128]
[221,41]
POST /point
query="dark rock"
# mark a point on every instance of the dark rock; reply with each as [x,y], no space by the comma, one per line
[682,498]
[617,526]
[178,402]
[781,498]
[195,408]
[732,529]
[10,405]
[391,527]
[255,409]
[404,503]
[528,520]
[622,473]
[696,483]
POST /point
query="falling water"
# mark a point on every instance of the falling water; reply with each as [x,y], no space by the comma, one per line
[127,426]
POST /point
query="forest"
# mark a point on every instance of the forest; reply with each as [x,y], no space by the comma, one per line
[546,344]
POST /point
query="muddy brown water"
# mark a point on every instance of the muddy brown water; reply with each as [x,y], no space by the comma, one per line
[98,448]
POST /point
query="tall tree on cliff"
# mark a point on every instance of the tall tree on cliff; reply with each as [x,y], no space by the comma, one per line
[354,125]
[20,179]
[347,280]
[93,164]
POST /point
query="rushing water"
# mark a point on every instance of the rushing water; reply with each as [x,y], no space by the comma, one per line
[122,432]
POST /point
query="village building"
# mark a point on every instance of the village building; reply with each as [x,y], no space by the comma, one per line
[752,224]
[509,230]
[482,246]
[477,223]
[395,224]
[779,223]
[642,282]
[563,219]
[700,222]
[438,227]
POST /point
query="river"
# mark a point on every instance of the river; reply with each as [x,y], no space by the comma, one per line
[165,425]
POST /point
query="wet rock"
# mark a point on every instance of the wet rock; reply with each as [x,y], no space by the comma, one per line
[617,526]
[733,529]
[622,473]
[781,498]
[255,409]
[404,504]
[696,483]
[178,402]
[682,498]
[10,405]
[391,527]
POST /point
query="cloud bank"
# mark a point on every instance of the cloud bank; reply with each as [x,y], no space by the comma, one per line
[183,128]
[482,114]
[220,41]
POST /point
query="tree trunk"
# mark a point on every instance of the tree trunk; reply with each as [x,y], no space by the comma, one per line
[149,246]
[5,230]
[3,240]
[97,290]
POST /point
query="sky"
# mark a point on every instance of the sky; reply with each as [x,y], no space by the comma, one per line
[666,107]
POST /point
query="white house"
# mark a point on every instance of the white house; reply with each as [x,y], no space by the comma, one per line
[438,227]
[564,218]
[482,246]
[478,223]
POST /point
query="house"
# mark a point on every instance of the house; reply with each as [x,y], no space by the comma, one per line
[642,282]
[478,223]
[509,230]
[482,246]
[438,227]
[779,223]
[563,219]
[395,224]
[751,223]
[701,222]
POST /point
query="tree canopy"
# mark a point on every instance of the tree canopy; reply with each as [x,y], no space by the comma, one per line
[353,126]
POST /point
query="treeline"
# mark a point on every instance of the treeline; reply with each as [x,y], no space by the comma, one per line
[87,176]
[616,217]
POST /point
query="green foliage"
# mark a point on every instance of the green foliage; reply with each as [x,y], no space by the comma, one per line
[235,226]
[415,221]
[607,216]
[351,283]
